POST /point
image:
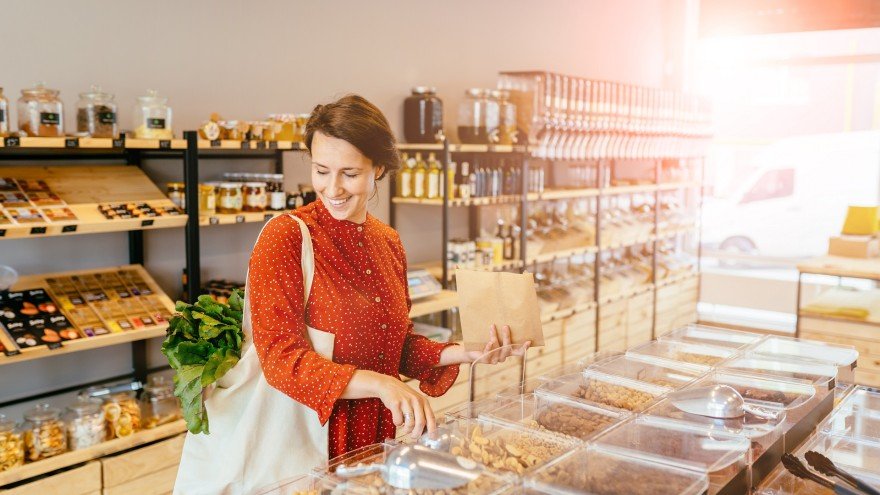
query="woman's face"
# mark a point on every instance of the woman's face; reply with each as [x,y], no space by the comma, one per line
[343,177]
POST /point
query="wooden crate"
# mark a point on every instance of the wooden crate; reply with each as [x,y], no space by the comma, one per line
[81,480]
[131,466]
[869,378]
[640,319]
[579,336]
[158,483]
[612,325]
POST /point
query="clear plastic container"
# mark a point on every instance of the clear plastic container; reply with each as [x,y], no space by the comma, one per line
[761,391]
[820,375]
[845,452]
[594,471]
[40,112]
[781,482]
[599,388]
[152,117]
[159,406]
[308,484]
[634,368]
[857,417]
[96,114]
[725,457]
[44,433]
[721,337]
[842,356]
[11,444]
[507,133]
[699,357]
[558,415]
[85,423]
[488,483]
[122,414]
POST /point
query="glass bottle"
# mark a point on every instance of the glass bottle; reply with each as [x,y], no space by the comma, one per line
[158,403]
[152,117]
[44,433]
[507,133]
[85,423]
[406,177]
[96,114]
[423,116]
[40,112]
[464,183]
[450,180]
[11,444]
[400,186]
[4,123]
[420,176]
[433,189]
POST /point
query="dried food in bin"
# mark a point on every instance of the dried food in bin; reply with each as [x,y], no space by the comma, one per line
[607,390]
[14,199]
[85,423]
[700,357]
[661,374]
[11,444]
[122,415]
[59,214]
[44,433]
[720,337]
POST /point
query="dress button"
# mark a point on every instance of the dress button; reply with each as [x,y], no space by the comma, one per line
[378,299]
[360,244]
[369,272]
[384,326]
[360,229]
[381,356]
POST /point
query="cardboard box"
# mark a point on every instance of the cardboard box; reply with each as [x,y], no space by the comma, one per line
[854,246]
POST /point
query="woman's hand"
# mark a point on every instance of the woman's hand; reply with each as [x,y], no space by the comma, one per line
[409,409]
[493,344]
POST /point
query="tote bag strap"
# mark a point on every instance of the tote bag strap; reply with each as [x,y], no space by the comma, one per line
[308,258]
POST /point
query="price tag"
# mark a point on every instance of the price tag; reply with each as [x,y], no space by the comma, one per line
[71,143]
[2,232]
[213,221]
[12,352]
[268,216]
[239,218]
[69,228]
[164,144]
[273,145]
[12,142]
[38,230]
[245,145]
[119,142]
[261,145]
[53,345]
[146,223]
[216,143]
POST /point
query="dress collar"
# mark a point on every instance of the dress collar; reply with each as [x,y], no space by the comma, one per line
[326,219]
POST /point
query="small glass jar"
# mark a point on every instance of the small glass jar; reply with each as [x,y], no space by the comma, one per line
[44,433]
[275,190]
[11,444]
[85,423]
[506,117]
[299,130]
[229,198]
[254,196]
[423,116]
[478,118]
[96,114]
[284,126]
[158,403]
[229,129]
[176,193]
[152,117]
[4,128]
[207,199]
[40,112]
[122,414]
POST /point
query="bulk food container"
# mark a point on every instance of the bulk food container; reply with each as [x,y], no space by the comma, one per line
[822,376]
[842,356]
[669,375]
[721,337]
[699,357]
[857,418]
[598,388]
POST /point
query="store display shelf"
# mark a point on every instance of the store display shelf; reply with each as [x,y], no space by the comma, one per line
[88,143]
[234,218]
[549,195]
[443,301]
[487,148]
[628,243]
[676,279]
[493,200]
[685,229]
[86,344]
[103,449]
[565,253]
[839,266]
[634,189]
[231,144]
[420,147]
[671,186]
[843,319]
[90,223]
[641,289]
[565,313]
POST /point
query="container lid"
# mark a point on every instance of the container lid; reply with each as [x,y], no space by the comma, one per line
[206,186]
[846,452]
[40,89]
[819,374]
[838,355]
[762,391]
[476,92]
[704,334]
[42,412]
[152,96]
[662,374]
[85,406]
[857,417]
[158,383]
[749,425]
[255,184]
[592,471]
[6,423]
[95,93]
[230,185]
[696,356]
[424,90]
[595,387]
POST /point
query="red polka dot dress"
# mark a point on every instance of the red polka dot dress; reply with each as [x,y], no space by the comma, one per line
[359,293]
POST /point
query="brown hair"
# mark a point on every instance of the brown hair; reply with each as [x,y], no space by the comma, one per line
[354,119]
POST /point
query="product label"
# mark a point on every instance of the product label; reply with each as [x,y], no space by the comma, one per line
[256,201]
[433,185]
[406,185]
[419,188]
[50,118]
[277,200]
[107,117]
[155,123]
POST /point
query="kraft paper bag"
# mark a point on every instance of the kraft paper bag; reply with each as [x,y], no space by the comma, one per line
[500,298]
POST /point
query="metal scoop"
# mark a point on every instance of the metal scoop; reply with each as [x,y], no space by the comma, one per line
[411,467]
[717,401]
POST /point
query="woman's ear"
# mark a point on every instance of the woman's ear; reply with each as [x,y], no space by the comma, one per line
[380,172]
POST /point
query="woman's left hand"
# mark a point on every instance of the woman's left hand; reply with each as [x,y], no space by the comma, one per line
[494,343]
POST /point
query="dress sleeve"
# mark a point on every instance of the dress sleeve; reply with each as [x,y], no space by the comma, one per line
[420,354]
[276,301]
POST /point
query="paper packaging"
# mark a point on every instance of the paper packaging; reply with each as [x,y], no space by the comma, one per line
[853,246]
[862,220]
[500,298]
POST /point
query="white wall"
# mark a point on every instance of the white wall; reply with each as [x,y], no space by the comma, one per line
[246,60]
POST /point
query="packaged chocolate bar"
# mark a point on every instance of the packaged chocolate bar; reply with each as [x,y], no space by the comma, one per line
[25,215]
[59,214]
[32,318]
[8,184]
[45,199]
[14,199]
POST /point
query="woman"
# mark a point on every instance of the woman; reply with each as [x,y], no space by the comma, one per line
[358,294]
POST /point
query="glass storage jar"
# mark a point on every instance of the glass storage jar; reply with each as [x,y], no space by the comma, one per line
[40,112]
[285,125]
[11,444]
[4,120]
[506,117]
[152,117]
[275,191]
[423,116]
[229,198]
[478,118]
[96,114]
[44,432]
[122,414]
[207,199]
[158,403]
[254,196]
[176,193]
[85,423]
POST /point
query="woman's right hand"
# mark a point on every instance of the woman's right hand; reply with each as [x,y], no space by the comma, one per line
[409,409]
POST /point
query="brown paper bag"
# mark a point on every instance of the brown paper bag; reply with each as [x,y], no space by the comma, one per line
[501,298]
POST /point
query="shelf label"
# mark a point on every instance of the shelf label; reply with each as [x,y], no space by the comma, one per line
[146,223]
[164,144]
[71,143]
[268,216]
[53,345]
[216,143]
[261,145]
[2,232]
[213,221]
[69,228]
[12,142]
[239,218]
[273,145]
[245,145]
[12,352]
[38,230]
[119,142]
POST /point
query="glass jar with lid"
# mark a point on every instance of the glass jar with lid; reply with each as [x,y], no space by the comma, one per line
[207,199]
[423,116]
[478,118]
[11,444]
[254,196]
[40,112]
[85,423]
[229,198]
[96,114]
[506,117]
[275,191]
[4,122]
[158,403]
[122,414]
[44,433]
[152,117]
[176,193]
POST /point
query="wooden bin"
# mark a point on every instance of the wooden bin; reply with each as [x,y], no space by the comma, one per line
[83,480]
[149,470]
[865,338]
[579,336]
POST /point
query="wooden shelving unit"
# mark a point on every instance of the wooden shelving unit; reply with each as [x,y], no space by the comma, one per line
[445,300]
[130,143]
[243,217]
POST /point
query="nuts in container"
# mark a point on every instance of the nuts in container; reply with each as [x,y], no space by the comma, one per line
[507,448]
[122,415]
[85,423]
[44,432]
[607,390]
[11,444]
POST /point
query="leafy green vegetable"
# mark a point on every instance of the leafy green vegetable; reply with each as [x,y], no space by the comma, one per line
[203,343]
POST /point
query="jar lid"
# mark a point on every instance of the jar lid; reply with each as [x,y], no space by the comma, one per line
[501,94]
[230,185]
[42,412]
[6,423]
[206,187]
[124,395]
[158,383]
[84,406]
[424,90]
[255,184]
[476,92]
[152,96]
[95,93]
[175,184]
[40,89]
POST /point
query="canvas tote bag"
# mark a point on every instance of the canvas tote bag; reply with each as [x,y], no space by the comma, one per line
[258,435]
